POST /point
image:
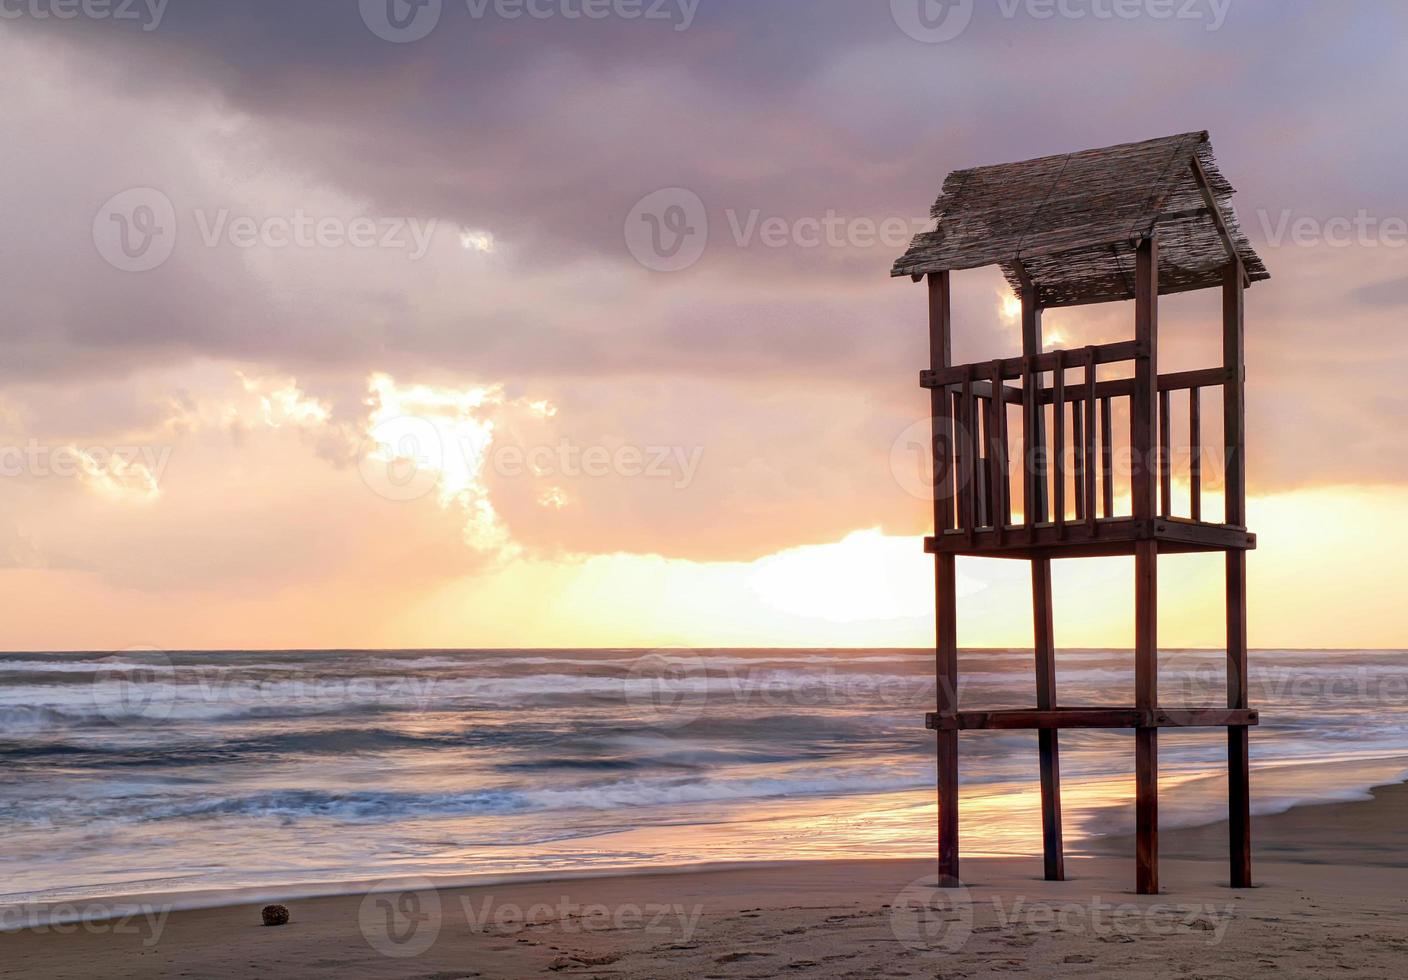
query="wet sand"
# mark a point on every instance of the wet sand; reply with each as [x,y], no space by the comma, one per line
[1332,898]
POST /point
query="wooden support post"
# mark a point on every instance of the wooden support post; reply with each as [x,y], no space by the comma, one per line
[946,676]
[946,601]
[1146,740]
[1143,426]
[1043,632]
[1234,440]
[1035,424]
[1048,745]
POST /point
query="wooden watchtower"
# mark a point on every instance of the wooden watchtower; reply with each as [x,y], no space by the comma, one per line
[1128,222]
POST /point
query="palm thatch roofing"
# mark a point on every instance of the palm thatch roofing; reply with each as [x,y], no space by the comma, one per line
[1069,224]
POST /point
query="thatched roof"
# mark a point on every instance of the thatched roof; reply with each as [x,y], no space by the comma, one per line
[1071,222]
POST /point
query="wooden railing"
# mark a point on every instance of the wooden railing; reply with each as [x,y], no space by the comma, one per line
[1064,445]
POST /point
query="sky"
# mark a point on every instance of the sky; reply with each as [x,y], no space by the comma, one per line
[614,276]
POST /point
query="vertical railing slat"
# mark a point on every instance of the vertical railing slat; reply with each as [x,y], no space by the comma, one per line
[1089,468]
[1165,457]
[1195,454]
[962,449]
[970,414]
[1058,440]
[1107,457]
[1029,430]
[989,409]
[1078,448]
[1002,489]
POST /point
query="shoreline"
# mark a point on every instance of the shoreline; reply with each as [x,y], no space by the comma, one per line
[833,917]
[1198,842]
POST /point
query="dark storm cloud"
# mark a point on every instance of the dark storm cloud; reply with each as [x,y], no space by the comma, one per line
[546,132]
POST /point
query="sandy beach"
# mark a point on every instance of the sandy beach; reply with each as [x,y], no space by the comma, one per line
[1331,899]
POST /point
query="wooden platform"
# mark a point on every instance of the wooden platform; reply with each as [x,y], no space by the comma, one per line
[1033,718]
[1090,539]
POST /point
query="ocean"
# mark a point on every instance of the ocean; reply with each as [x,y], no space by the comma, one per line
[284,772]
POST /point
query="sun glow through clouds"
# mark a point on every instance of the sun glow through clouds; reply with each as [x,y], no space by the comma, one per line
[476,240]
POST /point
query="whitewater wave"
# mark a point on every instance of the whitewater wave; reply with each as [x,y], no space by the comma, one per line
[377,806]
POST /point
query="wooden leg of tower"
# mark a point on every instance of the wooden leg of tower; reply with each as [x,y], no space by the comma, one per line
[947,704]
[1238,764]
[1143,430]
[1055,859]
[1047,741]
[1146,810]
[948,809]
[1234,421]
[1146,740]
[1239,805]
